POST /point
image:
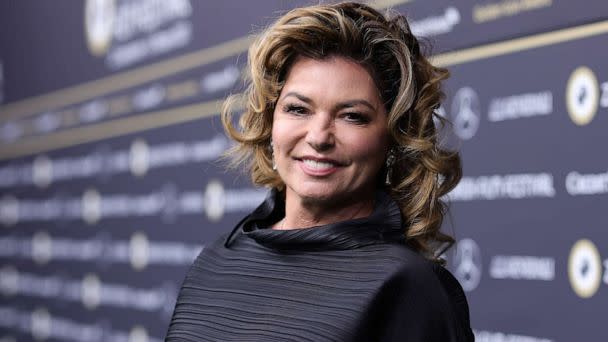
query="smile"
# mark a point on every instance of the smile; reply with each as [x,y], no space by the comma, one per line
[317,165]
[314,167]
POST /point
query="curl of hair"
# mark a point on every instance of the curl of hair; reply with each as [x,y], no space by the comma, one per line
[410,87]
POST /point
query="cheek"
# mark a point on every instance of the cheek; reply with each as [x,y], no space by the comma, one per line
[283,135]
[369,149]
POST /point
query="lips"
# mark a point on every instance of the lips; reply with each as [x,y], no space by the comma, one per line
[318,166]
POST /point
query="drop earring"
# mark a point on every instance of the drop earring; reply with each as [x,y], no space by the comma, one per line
[274,164]
[390,160]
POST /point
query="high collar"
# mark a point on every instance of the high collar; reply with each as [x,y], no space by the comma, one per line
[383,225]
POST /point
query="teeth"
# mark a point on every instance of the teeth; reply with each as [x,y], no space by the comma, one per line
[313,164]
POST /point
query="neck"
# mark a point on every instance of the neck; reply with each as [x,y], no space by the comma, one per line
[301,213]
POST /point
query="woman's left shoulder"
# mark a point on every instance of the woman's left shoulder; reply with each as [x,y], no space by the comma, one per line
[425,276]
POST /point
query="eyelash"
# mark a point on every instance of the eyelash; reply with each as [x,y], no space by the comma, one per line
[356,118]
[352,117]
[295,109]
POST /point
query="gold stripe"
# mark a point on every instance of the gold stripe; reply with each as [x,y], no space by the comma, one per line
[109,129]
[520,44]
[124,80]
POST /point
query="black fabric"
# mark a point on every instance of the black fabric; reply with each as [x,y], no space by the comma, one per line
[355,280]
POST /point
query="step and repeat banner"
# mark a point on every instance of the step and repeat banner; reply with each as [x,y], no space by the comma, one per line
[111,180]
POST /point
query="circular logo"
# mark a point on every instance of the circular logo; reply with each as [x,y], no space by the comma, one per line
[138,334]
[41,323]
[467,264]
[42,247]
[42,171]
[98,24]
[466,113]
[90,291]
[582,95]
[215,200]
[139,251]
[584,268]
[91,206]
[9,210]
[139,157]
[9,280]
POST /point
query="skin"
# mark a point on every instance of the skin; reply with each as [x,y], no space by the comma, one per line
[330,141]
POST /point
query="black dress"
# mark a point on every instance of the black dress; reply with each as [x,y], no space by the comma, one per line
[349,281]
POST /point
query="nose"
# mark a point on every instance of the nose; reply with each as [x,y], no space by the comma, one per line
[320,134]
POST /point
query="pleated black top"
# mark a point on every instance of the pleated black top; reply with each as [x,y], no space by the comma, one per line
[355,280]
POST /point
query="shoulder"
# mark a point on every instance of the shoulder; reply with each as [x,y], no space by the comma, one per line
[426,293]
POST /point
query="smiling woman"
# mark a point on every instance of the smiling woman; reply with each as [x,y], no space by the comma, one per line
[340,125]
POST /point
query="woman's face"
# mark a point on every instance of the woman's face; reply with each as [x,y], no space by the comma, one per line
[329,132]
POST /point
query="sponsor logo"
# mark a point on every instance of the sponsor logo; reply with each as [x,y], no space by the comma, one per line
[99,18]
[9,210]
[127,32]
[91,206]
[521,106]
[139,157]
[467,264]
[435,25]
[499,336]
[582,95]
[215,200]
[41,324]
[90,291]
[42,171]
[506,8]
[584,268]
[522,267]
[586,184]
[138,334]
[139,251]
[512,186]
[466,113]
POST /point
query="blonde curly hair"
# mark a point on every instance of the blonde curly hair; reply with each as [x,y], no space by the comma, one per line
[410,87]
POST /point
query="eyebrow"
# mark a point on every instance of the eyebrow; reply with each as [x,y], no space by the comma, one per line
[345,104]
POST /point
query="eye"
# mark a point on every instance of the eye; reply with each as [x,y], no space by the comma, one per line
[295,109]
[356,118]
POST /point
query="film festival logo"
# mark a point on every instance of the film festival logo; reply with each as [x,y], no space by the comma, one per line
[466,113]
[585,268]
[467,264]
[99,25]
[582,95]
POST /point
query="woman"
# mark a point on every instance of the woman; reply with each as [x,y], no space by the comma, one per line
[339,124]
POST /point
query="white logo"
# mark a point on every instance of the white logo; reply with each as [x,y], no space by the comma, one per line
[138,334]
[467,264]
[91,206]
[41,323]
[139,251]
[139,157]
[582,95]
[98,23]
[42,171]
[466,113]
[584,268]
[90,290]
[215,200]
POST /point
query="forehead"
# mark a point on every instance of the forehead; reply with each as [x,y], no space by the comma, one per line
[333,76]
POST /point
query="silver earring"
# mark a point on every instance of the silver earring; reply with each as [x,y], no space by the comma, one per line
[274,164]
[390,160]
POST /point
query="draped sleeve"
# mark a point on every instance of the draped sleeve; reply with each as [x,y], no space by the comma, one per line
[418,304]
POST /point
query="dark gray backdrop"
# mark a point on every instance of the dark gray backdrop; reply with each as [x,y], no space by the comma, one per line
[110,182]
